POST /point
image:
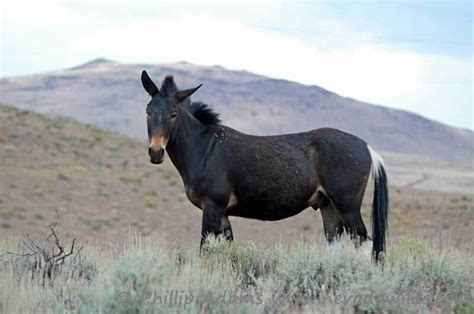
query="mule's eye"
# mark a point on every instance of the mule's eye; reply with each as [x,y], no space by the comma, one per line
[173,115]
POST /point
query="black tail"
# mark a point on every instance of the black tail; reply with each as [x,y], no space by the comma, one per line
[379,212]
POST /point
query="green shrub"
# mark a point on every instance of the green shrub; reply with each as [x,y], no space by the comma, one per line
[249,260]
[408,247]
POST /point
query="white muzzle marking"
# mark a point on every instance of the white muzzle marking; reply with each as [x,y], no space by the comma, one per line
[158,142]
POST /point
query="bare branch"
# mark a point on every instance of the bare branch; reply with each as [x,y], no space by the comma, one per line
[43,258]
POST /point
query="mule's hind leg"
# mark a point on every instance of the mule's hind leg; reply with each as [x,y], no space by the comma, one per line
[226,228]
[353,222]
[355,227]
[347,199]
[333,224]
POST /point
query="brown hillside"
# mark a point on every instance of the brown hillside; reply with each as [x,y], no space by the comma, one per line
[102,185]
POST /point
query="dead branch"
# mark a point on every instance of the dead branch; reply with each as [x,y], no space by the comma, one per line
[45,258]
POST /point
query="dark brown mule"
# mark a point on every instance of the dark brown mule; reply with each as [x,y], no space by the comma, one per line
[228,173]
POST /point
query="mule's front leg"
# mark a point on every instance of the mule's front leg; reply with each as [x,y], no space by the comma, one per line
[214,221]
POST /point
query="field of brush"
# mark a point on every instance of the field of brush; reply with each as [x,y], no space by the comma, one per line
[146,276]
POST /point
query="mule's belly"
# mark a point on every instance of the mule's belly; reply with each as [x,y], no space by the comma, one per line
[273,199]
[262,212]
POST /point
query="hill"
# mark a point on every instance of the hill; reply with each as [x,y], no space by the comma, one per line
[102,184]
[109,95]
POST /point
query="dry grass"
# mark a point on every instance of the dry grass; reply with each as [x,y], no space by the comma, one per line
[147,276]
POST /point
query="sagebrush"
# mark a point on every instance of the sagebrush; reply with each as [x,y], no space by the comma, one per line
[148,276]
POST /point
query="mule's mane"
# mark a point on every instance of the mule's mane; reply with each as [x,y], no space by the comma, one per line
[203,113]
[199,110]
[168,87]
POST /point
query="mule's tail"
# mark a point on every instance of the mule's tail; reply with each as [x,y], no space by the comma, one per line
[379,205]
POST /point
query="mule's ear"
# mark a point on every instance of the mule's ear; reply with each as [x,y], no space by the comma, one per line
[148,84]
[183,94]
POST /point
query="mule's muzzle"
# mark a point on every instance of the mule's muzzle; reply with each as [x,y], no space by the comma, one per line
[156,157]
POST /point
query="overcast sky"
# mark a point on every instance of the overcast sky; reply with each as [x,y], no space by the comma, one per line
[411,55]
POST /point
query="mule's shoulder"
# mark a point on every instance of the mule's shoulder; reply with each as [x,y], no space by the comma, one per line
[232,134]
[227,132]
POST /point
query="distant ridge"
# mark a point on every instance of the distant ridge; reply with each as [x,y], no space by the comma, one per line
[93,63]
[109,95]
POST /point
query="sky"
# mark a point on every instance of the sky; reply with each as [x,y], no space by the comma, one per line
[411,55]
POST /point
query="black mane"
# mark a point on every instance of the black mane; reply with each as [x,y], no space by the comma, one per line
[203,113]
[199,110]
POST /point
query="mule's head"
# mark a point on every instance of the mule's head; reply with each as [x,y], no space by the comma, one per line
[163,114]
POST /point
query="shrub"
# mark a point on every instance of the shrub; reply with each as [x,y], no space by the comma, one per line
[146,276]
[408,247]
[249,260]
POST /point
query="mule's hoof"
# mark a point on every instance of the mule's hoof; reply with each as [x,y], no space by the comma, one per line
[335,245]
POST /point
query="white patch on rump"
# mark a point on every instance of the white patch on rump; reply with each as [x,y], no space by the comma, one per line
[377,162]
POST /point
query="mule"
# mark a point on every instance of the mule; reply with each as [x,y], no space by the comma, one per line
[229,173]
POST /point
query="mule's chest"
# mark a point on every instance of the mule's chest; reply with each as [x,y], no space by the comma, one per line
[193,196]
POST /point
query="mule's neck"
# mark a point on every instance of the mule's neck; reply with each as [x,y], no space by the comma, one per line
[190,146]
